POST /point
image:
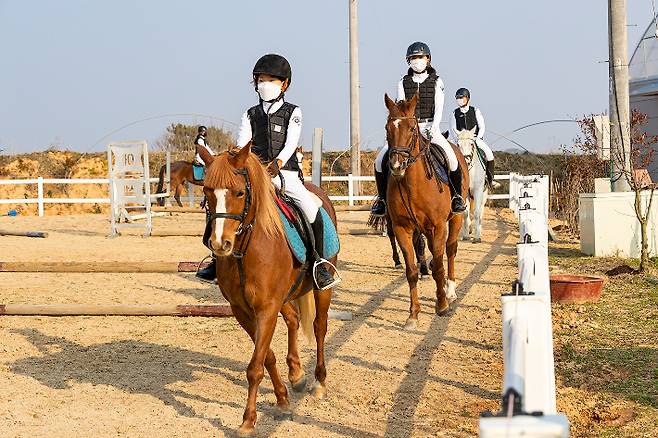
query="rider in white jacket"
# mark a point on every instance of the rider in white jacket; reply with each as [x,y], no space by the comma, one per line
[422,79]
[468,117]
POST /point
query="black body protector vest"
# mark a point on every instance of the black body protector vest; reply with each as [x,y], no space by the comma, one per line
[269,133]
[426,91]
[196,140]
[467,120]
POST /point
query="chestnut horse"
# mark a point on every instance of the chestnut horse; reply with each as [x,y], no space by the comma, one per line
[181,172]
[259,276]
[417,200]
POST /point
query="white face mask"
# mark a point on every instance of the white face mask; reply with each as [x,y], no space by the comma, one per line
[462,102]
[418,65]
[269,90]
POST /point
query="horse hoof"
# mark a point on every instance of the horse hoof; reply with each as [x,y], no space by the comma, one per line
[466,238]
[300,384]
[246,430]
[477,240]
[283,415]
[319,390]
[398,266]
[442,310]
[411,324]
[423,270]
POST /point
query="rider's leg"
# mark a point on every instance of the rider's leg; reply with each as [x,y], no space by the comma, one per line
[209,273]
[458,204]
[489,158]
[379,207]
[307,203]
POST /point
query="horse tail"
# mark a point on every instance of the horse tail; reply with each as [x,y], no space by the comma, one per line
[161,184]
[377,223]
[306,306]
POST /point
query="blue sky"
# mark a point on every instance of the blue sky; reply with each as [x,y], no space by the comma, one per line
[74,71]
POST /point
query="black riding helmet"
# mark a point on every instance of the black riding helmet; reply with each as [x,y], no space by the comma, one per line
[418,49]
[273,65]
[202,130]
[463,92]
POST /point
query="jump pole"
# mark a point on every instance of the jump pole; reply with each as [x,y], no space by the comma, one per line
[110,267]
[23,233]
[208,310]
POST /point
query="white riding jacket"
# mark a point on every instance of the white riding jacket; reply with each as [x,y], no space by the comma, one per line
[454,136]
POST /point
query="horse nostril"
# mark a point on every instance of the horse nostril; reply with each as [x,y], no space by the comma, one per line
[226,245]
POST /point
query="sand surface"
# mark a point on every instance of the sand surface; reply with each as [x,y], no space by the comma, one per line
[170,377]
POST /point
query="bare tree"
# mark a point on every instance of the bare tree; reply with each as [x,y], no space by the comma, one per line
[642,153]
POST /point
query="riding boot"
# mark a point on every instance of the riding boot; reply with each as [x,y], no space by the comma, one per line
[323,278]
[208,274]
[457,204]
[379,207]
[490,175]
[490,172]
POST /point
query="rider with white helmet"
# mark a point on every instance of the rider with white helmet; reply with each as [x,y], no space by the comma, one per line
[468,117]
[422,79]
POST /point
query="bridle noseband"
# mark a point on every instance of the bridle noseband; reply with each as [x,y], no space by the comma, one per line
[405,152]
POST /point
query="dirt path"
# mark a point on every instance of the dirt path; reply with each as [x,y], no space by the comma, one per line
[116,376]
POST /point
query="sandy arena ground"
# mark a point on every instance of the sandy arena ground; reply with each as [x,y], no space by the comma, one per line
[170,377]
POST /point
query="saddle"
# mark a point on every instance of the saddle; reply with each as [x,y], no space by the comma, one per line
[299,232]
[437,163]
[198,172]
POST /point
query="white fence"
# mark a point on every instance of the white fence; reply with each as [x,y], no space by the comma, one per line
[40,200]
[528,402]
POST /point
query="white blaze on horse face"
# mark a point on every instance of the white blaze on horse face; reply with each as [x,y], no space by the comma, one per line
[220,195]
[396,123]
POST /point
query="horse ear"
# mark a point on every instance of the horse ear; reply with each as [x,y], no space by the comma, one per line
[388,102]
[412,103]
[238,158]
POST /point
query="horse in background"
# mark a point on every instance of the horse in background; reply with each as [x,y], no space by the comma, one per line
[181,172]
[420,202]
[478,187]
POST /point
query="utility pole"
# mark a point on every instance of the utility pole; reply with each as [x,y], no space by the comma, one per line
[355,141]
[620,130]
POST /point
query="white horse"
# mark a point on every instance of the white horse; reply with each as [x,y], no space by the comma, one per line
[478,189]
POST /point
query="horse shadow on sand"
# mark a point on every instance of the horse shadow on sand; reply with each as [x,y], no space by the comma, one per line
[134,367]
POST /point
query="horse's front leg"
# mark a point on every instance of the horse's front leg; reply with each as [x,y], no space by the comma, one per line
[177,192]
[405,239]
[261,358]
[295,370]
[322,301]
[479,201]
[466,223]
[419,248]
[454,226]
[438,271]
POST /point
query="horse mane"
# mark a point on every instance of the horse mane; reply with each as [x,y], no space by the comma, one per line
[221,173]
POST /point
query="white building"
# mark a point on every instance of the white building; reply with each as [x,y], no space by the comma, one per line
[643,84]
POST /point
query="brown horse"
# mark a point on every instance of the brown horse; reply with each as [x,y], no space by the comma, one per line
[260,277]
[181,172]
[417,200]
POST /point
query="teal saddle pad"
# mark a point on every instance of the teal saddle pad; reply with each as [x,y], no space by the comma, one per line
[198,172]
[296,243]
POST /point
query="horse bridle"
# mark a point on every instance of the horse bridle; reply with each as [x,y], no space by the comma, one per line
[406,151]
[242,228]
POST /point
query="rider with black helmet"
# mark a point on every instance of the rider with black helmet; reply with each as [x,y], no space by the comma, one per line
[208,273]
[274,126]
[469,117]
[422,79]
[201,142]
